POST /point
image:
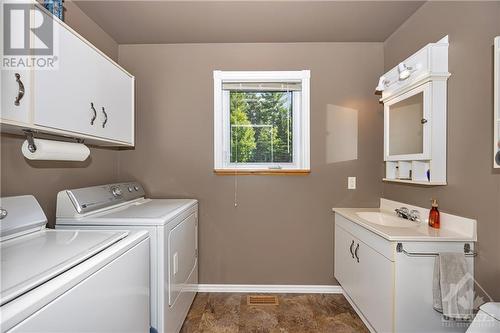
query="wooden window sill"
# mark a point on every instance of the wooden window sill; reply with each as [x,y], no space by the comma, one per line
[271,172]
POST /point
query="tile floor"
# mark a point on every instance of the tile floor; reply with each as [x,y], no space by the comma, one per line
[296,313]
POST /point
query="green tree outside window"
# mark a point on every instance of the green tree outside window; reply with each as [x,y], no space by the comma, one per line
[261,127]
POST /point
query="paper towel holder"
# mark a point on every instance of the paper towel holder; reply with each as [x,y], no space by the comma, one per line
[30,136]
[31,142]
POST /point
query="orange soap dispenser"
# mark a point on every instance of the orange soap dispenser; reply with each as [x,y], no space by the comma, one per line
[434,215]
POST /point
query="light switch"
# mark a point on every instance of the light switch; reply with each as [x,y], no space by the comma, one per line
[351,183]
[176,263]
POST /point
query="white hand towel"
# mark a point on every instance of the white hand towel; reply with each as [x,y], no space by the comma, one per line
[453,287]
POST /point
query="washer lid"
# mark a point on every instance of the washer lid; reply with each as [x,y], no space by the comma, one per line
[492,309]
[29,261]
[142,212]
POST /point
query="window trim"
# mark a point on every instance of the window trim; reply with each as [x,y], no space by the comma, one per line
[301,146]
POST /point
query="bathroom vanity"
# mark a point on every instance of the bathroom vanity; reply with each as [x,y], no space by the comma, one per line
[385,264]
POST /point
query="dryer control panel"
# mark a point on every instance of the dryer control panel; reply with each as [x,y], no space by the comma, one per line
[89,199]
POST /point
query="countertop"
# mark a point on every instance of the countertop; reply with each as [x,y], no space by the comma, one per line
[450,232]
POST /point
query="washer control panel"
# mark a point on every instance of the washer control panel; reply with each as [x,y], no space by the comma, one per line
[88,199]
[116,191]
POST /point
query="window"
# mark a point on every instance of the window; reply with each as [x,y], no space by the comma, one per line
[261,121]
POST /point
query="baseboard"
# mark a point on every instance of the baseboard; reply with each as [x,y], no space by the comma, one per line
[269,288]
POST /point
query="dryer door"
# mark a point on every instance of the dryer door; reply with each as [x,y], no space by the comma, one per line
[182,252]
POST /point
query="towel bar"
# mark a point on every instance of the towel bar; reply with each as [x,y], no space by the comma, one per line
[399,248]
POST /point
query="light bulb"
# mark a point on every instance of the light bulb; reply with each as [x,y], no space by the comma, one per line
[404,72]
[381,84]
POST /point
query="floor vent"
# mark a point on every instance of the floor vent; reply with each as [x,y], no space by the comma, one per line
[262,300]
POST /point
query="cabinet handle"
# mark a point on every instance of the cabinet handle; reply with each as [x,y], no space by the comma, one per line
[423,121]
[350,249]
[356,252]
[20,92]
[94,115]
[105,117]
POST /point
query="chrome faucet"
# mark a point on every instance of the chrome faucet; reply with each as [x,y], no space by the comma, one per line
[405,213]
[3,213]
[414,215]
[402,212]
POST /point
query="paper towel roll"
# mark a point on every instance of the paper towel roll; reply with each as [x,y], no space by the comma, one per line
[56,151]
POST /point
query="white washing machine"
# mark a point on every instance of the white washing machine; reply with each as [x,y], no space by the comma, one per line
[173,229]
[69,280]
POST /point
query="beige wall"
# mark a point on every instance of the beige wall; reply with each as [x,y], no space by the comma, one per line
[474,187]
[84,25]
[282,229]
[45,179]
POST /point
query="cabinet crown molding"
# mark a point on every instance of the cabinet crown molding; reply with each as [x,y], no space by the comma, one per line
[428,64]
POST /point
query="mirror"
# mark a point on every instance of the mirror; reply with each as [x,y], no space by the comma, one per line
[405,126]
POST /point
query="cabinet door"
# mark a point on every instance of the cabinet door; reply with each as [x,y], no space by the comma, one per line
[367,277]
[115,102]
[16,105]
[64,97]
[344,264]
[408,122]
[374,292]
[84,90]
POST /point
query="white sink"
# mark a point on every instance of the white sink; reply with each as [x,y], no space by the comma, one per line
[387,220]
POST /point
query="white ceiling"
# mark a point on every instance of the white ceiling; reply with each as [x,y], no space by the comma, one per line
[152,22]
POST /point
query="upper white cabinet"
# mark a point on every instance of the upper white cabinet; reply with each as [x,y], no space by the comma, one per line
[415,101]
[87,96]
[496,115]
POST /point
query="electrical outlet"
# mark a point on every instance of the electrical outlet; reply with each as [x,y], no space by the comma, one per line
[351,183]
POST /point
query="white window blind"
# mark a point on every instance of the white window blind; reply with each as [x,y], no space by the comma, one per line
[262,86]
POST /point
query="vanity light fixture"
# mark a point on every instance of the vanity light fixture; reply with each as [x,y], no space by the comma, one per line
[404,71]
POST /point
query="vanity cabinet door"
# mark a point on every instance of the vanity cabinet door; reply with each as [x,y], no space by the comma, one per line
[344,264]
[367,277]
[375,291]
